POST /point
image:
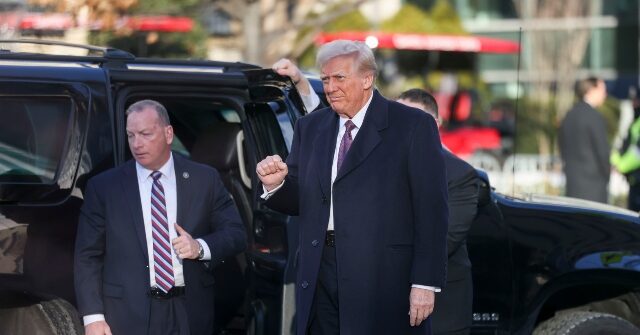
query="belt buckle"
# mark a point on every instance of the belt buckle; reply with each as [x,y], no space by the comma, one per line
[157,293]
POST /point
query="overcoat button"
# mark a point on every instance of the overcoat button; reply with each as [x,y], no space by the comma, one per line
[315,243]
[304,284]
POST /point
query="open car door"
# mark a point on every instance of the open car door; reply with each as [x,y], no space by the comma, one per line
[273,241]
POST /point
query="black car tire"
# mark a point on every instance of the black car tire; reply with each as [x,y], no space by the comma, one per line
[586,323]
[54,316]
[62,317]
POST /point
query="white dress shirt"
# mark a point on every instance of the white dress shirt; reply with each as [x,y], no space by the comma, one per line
[145,183]
[357,120]
[311,100]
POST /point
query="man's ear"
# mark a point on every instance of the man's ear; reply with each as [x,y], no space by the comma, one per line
[367,81]
[169,134]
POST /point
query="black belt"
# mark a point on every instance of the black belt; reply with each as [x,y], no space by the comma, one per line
[175,291]
[330,238]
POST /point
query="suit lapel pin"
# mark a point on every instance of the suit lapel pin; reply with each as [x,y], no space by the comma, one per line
[185,175]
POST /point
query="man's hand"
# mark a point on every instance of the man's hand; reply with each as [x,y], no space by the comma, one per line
[97,328]
[421,302]
[185,246]
[285,67]
[272,171]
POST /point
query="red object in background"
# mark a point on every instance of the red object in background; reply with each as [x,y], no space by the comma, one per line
[454,108]
[63,21]
[444,101]
[459,43]
[462,107]
[10,20]
[46,21]
[160,23]
[463,140]
[466,140]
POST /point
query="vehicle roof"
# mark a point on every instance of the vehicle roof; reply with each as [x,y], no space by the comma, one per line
[94,56]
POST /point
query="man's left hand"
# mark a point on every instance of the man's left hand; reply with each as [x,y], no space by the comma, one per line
[421,302]
[184,245]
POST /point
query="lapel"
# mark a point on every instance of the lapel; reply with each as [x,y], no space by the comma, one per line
[324,145]
[131,191]
[368,136]
[183,195]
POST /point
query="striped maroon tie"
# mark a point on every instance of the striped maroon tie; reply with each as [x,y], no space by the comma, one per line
[160,232]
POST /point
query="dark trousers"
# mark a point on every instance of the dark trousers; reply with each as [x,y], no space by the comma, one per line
[325,319]
[634,196]
[168,317]
[453,308]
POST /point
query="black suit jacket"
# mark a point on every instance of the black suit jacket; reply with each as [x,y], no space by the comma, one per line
[585,151]
[453,305]
[390,214]
[111,257]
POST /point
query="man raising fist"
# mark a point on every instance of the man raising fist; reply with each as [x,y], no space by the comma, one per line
[366,177]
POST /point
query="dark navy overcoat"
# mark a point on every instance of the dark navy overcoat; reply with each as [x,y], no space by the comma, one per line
[390,214]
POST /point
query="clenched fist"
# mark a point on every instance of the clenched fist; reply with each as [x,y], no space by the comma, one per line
[271,171]
[285,67]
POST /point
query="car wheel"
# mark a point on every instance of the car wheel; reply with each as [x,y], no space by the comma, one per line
[62,317]
[586,323]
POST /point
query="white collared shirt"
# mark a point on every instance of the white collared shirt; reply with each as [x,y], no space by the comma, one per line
[311,100]
[168,181]
[357,119]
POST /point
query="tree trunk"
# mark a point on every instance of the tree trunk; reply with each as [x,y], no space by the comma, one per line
[556,58]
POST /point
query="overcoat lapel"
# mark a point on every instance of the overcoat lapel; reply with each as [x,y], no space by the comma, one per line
[324,147]
[368,136]
[131,191]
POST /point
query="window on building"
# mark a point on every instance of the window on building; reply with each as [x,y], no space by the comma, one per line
[601,51]
[485,9]
[217,22]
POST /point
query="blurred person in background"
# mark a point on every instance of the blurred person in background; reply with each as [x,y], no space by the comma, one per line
[626,156]
[452,314]
[584,146]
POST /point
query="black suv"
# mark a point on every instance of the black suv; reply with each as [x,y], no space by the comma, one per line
[63,121]
[555,265]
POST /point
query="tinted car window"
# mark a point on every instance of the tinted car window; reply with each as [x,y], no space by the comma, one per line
[272,127]
[33,134]
[284,121]
[192,119]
